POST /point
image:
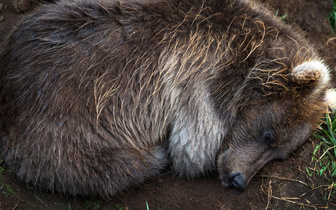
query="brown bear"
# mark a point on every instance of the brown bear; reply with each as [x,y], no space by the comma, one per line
[96,96]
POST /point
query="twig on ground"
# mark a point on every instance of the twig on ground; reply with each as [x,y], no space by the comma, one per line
[290,200]
[331,188]
[325,153]
[16,205]
[269,194]
[287,179]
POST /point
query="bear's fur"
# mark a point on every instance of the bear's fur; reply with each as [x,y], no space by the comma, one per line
[26,5]
[96,96]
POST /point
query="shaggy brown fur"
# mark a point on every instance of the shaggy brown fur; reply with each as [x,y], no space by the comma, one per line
[25,5]
[96,96]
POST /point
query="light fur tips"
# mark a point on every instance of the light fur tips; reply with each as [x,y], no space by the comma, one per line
[311,71]
[331,99]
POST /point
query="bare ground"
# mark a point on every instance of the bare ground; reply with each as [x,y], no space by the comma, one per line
[279,185]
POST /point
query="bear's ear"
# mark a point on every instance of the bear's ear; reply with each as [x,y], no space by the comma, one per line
[331,99]
[313,75]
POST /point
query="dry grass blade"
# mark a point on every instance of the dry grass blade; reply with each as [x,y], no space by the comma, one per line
[16,205]
[325,152]
[282,178]
[294,200]
[290,200]
[269,194]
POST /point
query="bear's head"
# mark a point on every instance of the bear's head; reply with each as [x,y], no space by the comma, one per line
[273,125]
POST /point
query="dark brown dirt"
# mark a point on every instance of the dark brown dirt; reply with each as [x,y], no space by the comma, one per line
[279,185]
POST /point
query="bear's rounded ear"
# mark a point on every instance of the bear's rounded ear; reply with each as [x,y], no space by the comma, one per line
[331,99]
[313,74]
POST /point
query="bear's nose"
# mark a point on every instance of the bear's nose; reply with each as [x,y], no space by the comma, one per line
[238,181]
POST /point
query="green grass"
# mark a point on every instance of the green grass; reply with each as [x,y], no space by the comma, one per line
[282,17]
[41,201]
[119,207]
[332,17]
[324,157]
[5,188]
[93,204]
